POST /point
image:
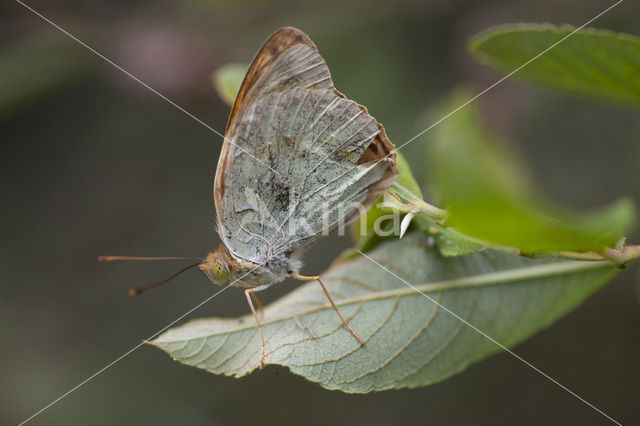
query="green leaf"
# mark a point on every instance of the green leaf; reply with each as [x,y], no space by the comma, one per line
[489,198]
[593,63]
[227,80]
[410,341]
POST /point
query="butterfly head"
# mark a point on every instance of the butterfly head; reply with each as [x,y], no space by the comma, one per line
[218,266]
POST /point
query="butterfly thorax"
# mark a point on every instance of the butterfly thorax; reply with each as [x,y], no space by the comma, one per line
[224,269]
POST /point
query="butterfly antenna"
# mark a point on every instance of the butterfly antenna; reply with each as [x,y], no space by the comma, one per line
[112,258]
[136,291]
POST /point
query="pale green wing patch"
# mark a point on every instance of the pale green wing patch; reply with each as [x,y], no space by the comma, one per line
[410,340]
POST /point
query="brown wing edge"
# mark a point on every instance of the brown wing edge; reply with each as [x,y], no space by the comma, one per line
[271,49]
[380,150]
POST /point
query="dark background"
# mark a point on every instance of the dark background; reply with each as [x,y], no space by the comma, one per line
[93,163]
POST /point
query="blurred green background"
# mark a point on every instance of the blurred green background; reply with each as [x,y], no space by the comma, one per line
[93,163]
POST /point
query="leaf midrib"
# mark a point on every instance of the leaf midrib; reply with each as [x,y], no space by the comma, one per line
[489,279]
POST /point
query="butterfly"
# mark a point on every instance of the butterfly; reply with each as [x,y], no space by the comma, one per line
[299,159]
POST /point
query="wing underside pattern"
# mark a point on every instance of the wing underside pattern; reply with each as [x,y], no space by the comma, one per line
[312,141]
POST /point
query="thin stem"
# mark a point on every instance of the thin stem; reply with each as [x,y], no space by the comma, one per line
[618,256]
[404,201]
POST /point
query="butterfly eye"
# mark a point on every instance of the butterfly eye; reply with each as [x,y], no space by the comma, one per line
[220,271]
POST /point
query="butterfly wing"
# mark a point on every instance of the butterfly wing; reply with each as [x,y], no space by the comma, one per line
[287,59]
[300,158]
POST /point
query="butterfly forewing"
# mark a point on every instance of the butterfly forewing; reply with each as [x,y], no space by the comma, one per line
[287,59]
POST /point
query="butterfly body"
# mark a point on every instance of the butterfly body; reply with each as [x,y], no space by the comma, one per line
[223,269]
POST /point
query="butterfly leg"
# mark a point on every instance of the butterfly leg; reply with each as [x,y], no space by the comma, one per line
[259,303]
[335,308]
[249,293]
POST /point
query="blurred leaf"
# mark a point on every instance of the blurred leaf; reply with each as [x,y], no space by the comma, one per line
[452,242]
[405,176]
[363,229]
[595,63]
[227,81]
[483,188]
[34,67]
[409,340]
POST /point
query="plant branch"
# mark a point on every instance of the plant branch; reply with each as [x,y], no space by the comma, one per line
[402,200]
